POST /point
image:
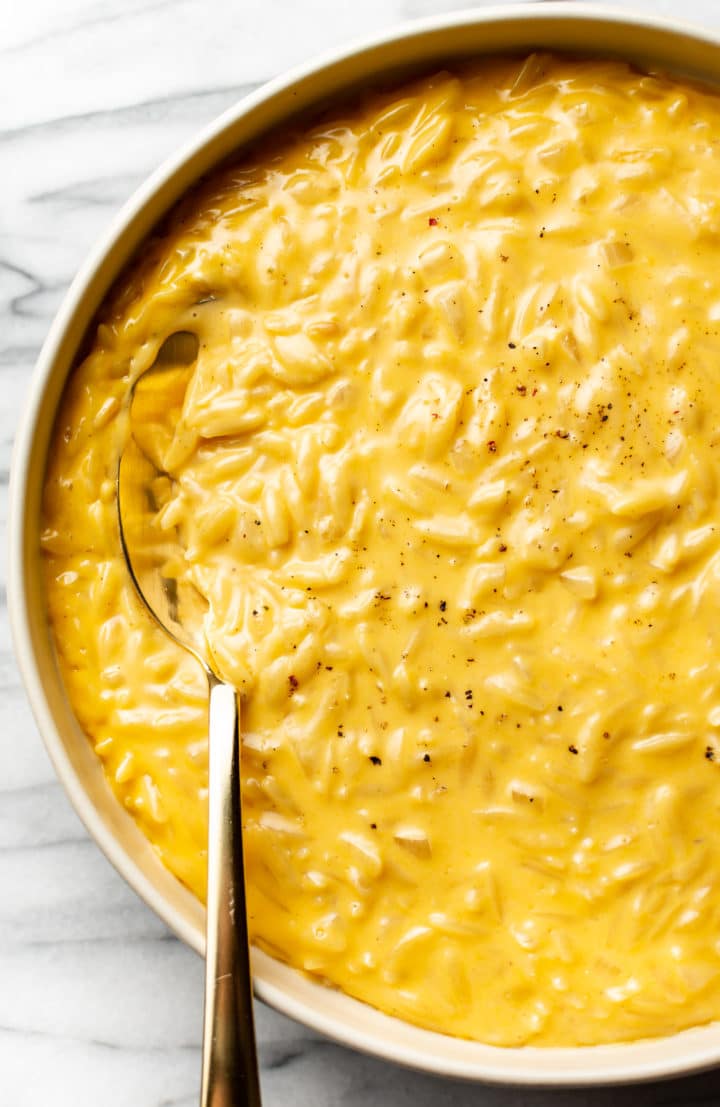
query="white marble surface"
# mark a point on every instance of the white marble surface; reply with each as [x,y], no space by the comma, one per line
[99,1005]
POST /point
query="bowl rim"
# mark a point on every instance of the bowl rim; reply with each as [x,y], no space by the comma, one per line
[648,1059]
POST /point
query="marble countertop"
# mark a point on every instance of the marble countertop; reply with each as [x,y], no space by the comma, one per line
[99,1004]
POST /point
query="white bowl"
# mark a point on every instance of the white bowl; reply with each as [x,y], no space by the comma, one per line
[579,28]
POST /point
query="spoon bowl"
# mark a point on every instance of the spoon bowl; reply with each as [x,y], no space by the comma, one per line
[154,555]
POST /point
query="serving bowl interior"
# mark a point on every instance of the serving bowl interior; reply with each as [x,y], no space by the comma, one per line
[582,28]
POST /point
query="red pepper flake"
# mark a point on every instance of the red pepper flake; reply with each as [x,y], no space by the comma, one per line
[432,221]
[492,446]
[709,753]
[426,758]
[573,749]
[376,760]
[502,547]
[534,391]
[522,389]
[293,682]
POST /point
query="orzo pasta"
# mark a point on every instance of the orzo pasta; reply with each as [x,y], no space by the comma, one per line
[445,471]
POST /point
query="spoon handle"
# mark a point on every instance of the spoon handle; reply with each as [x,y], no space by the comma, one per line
[229,1061]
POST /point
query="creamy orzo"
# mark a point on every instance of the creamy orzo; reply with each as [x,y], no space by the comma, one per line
[446,472]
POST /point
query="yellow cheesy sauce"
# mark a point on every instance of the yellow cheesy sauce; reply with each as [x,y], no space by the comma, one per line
[445,470]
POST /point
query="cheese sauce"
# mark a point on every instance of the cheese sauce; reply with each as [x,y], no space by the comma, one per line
[445,470]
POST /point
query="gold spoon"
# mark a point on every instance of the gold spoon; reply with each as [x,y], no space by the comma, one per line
[153,557]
